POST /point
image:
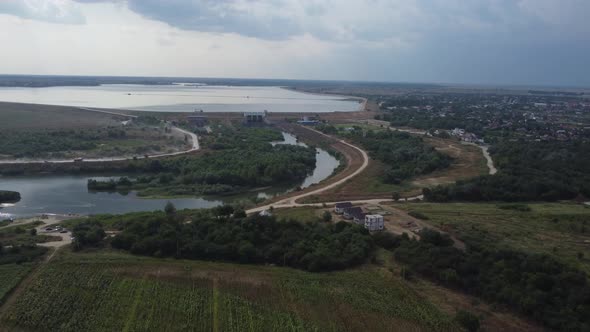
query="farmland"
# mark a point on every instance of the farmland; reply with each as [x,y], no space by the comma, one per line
[558,229]
[115,291]
[11,275]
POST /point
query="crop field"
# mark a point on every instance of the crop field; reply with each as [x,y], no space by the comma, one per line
[561,230]
[11,275]
[110,291]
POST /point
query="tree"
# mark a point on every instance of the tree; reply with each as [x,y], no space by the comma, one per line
[33,232]
[468,320]
[240,213]
[170,209]
[327,216]
[396,196]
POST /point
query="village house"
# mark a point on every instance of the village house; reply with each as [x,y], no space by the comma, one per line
[350,212]
[339,208]
[374,222]
[359,218]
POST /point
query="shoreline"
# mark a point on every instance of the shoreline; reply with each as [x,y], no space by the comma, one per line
[362,100]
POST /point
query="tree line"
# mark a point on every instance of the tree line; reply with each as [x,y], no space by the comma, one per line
[225,234]
[537,286]
[528,171]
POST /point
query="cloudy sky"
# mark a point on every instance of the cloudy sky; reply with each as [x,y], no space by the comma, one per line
[541,42]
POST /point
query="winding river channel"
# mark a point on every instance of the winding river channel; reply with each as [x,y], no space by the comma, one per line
[69,194]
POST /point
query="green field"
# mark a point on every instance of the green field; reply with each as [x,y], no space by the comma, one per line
[109,291]
[11,275]
[559,229]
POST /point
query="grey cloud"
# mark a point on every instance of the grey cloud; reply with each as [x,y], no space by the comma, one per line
[217,16]
[48,11]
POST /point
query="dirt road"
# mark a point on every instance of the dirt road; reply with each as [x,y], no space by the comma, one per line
[292,200]
[195,147]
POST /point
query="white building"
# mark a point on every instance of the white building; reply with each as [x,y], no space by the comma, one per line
[374,222]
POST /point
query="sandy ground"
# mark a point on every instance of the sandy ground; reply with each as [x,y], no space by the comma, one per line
[66,238]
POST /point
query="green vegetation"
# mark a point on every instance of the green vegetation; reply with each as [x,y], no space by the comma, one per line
[537,286]
[119,292]
[135,139]
[9,196]
[15,263]
[468,320]
[529,171]
[22,235]
[559,230]
[11,275]
[406,156]
[241,159]
[87,233]
[221,234]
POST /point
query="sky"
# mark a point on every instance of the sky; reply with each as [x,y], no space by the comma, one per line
[516,42]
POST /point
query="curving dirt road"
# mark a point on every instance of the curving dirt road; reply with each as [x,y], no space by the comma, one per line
[195,147]
[292,201]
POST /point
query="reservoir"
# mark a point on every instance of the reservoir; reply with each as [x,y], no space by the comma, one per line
[181,98]
[69,194]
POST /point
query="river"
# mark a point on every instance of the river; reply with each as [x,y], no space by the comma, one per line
[69,194]
[181,98]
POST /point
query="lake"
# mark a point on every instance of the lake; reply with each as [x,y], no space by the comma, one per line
[69,194]
[181,98]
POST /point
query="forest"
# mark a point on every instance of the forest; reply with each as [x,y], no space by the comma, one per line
[534,285]
[528,171]
[9,196]
[225,234]
[239,160]
[407,156]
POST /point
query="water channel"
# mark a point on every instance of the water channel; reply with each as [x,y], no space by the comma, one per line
[66,194]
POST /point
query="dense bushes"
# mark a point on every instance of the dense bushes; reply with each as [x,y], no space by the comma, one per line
[87,234]
[243,159]
[406,155]
[224,234]
[20,254]
[9,196]
[529,171]
[535,285]
[39,143]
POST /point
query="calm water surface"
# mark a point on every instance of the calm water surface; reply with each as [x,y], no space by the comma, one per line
[69,194]
[181,98]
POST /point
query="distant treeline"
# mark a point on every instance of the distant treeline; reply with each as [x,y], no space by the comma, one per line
[529,171]
[9,196]
[556,93]
[537,286]
[227,234]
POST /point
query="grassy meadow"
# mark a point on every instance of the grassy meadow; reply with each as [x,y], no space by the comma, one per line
[561,230]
